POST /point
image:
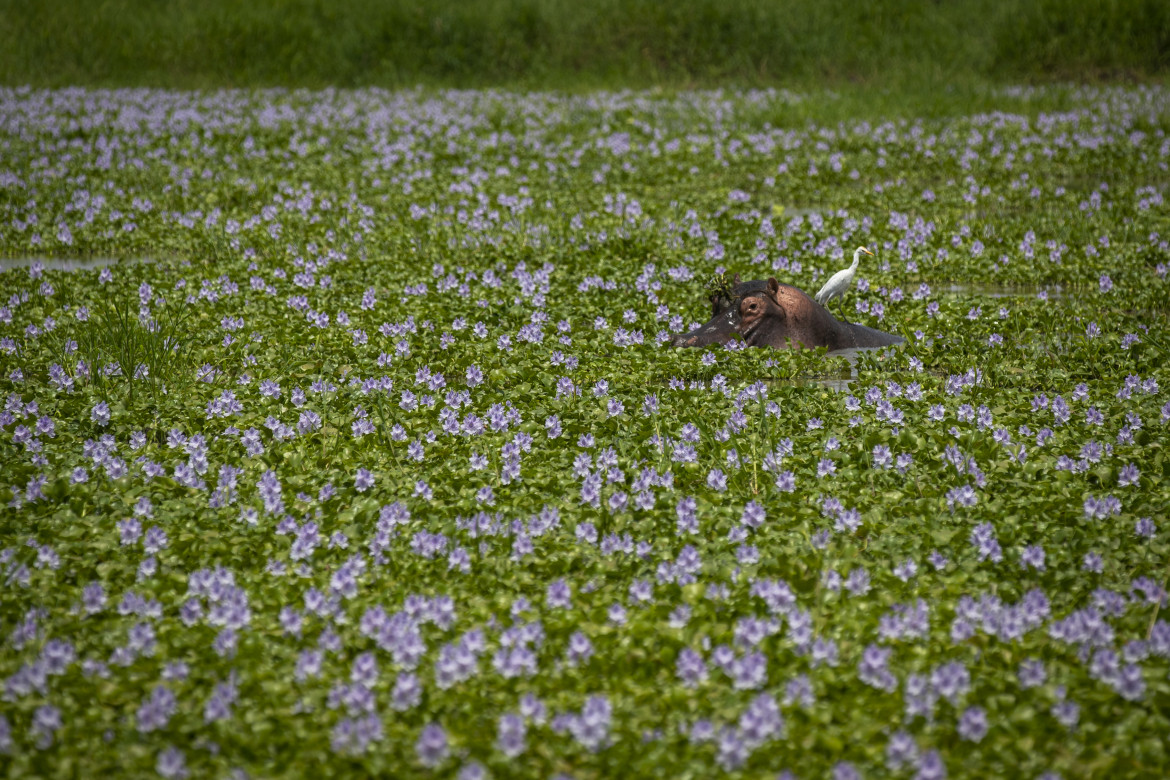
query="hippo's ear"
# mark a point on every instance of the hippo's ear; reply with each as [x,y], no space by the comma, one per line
[737,280]
[773,292]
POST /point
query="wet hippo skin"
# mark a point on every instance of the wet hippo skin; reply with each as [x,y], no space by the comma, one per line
[771,314]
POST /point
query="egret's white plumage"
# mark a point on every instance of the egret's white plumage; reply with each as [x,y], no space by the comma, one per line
[839,282]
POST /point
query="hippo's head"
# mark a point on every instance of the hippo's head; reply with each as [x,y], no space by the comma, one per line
[750,311]
[724,297]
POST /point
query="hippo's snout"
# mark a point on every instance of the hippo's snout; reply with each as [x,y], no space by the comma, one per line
[718,331]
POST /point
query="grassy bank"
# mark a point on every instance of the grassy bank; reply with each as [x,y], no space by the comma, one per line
[557,43]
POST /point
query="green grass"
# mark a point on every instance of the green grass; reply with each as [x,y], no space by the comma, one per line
[128,348]
[557,43]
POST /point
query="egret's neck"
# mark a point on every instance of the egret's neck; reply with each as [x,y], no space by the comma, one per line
[856,260]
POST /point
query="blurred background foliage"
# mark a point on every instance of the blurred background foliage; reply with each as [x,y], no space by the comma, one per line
[567,44]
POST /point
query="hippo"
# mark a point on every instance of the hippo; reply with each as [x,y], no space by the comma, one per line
[771,314]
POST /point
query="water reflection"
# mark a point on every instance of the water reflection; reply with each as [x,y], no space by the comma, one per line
[840,382]
[1003,290]
[66,263]
[837,385]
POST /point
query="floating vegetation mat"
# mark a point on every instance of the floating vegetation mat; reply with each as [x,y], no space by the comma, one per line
[381,465]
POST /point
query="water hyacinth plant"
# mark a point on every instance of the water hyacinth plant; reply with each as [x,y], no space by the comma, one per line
[377,464]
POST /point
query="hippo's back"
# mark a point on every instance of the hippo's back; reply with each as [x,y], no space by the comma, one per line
[862,336]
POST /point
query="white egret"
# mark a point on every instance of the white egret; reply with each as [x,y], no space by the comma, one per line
[839,282]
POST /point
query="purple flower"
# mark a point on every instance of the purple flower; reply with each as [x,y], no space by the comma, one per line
[901,751]
[591,727]
[732,750]
[100,413]
[761,721]
[799,691]
[843,770]
[407,692]
[857,582]
[219,705]
[931,766]
[171,764]
[750,671]
[510,732]
[1032,557]
[365,670]
[533,709]
[687,514]
[906,621]
[130,530]
[93,598]
[559,595]
[1101,508]
[354,735]
[1128,475]
[473,770]
[155,540]
[1060,411]
[580,649]
[1129,683]
[46,722]
[690,667]
[431,746]
[650,405]
[951,681]
[964,495]
[591,490]
[552,425]
[156,710]
[1032,673]
[973,724]
[987,546]
[872,669]
[1067,713]
[753,515]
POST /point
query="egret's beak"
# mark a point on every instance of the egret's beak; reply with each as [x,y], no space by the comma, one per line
[863,249]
